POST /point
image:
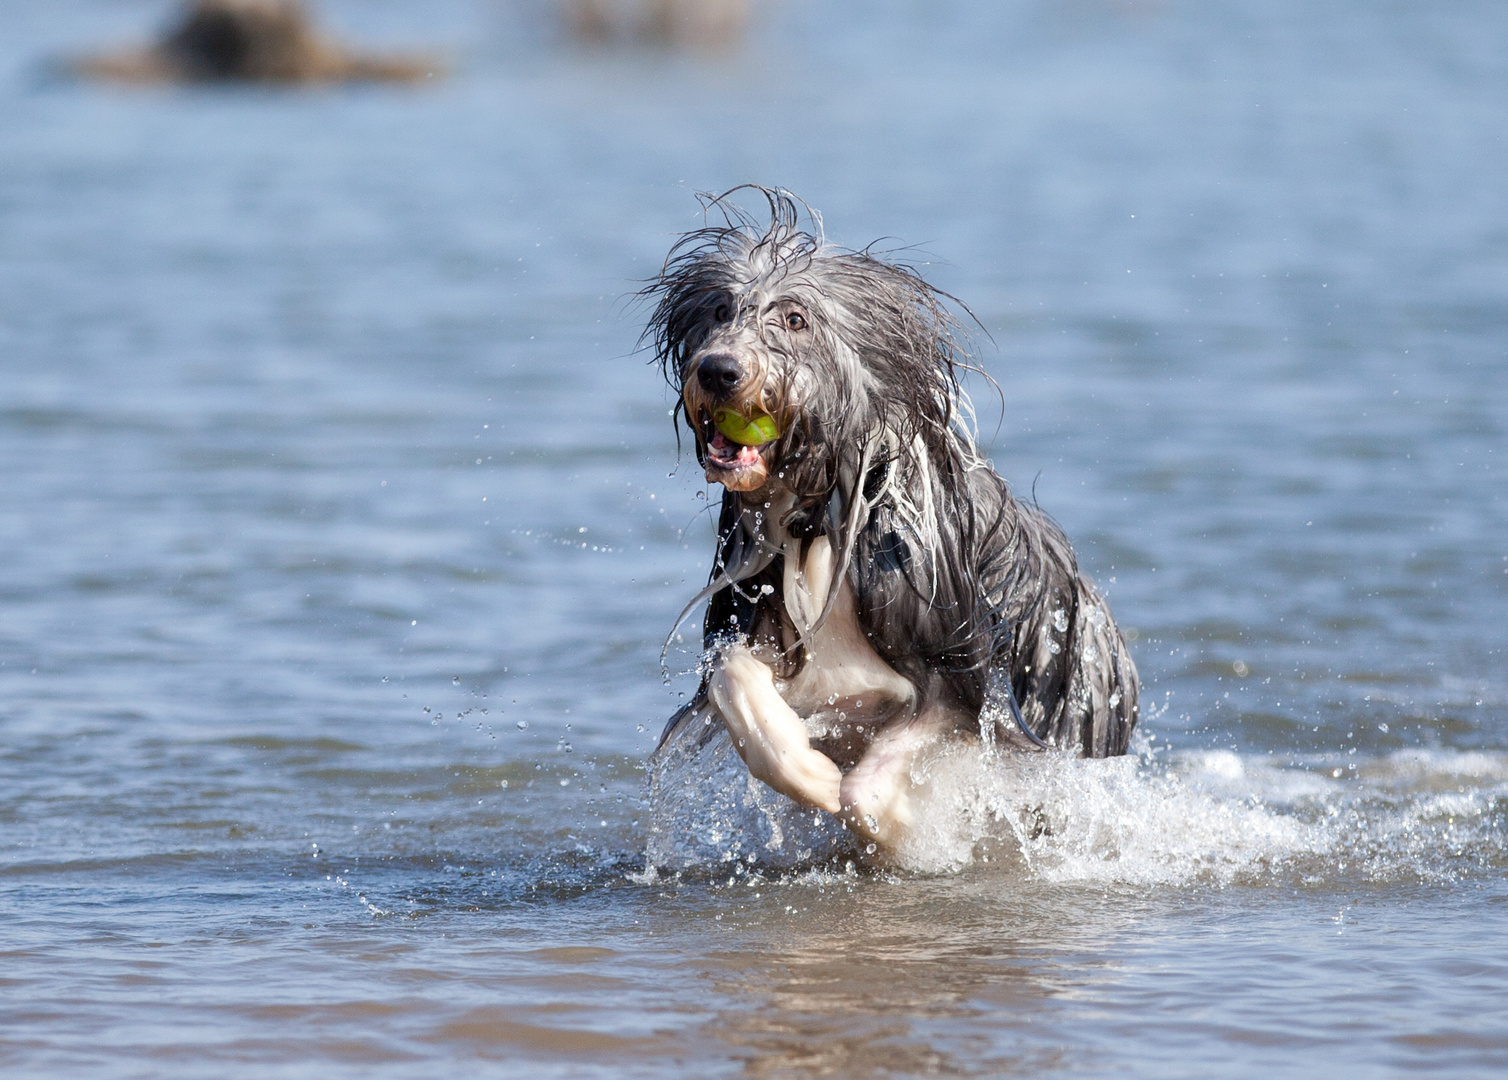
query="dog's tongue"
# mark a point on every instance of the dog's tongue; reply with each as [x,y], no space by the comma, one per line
[747,455]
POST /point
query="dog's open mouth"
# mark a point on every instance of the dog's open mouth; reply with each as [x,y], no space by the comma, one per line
[724,453]
[741,454]
[737,445]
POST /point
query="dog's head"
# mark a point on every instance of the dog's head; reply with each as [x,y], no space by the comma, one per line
[840,350]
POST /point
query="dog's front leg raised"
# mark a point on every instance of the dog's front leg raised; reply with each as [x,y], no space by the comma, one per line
[770,737]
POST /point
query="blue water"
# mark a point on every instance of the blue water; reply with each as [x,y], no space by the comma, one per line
[340,525]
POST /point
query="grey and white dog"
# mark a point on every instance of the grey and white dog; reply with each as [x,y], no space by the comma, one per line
[875,585]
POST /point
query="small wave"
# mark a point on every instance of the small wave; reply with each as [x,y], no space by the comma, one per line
[1169,818]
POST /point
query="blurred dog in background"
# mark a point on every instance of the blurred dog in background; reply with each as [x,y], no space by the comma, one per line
[695,24]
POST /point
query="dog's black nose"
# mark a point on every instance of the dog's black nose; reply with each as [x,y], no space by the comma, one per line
[719,375]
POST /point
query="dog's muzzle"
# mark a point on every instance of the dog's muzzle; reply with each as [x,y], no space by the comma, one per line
[720,375]
[718,380]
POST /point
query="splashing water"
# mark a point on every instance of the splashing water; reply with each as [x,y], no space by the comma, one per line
[1145,819]
[706,812]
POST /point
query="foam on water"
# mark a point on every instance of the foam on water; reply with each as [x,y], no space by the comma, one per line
[1145,819]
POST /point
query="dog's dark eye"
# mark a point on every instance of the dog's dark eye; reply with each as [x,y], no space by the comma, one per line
[795,321]
[722,314]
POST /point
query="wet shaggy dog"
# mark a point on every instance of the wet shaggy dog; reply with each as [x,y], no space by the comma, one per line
[877,593]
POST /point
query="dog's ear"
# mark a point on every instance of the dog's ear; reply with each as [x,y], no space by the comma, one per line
[699,276]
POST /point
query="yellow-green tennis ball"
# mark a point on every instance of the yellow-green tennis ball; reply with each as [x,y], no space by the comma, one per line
[753,431]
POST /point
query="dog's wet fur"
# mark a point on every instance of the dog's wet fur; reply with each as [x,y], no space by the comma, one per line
[876,585]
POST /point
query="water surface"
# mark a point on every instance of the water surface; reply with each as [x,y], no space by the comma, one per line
[341,524]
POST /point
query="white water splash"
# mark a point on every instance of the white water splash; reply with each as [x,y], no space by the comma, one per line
[1168,819]
[1116,820]
[707,811]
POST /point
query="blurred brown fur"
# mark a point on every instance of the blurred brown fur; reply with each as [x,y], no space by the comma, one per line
[696,24]
[261,41]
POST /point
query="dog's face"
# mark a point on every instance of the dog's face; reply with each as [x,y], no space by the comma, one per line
[745,354]
[791,357]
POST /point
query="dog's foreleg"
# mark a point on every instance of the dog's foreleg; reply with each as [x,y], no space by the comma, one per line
[768,734]
[879,794]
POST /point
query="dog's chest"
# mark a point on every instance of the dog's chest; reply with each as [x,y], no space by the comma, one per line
[843,678]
